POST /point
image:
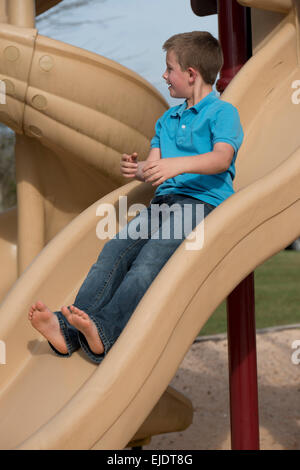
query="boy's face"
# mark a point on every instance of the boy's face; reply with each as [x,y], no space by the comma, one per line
[178,80]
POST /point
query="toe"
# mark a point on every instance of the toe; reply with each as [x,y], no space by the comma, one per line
[40,305]
[65,311]
[79,313]
[32,308]
[82,314]
[75,310]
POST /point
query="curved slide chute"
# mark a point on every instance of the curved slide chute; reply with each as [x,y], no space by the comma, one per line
[56,403]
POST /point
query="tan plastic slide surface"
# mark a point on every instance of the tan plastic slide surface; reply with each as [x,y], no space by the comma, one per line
[48,402]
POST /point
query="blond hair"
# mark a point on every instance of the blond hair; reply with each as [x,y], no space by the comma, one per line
[197,49]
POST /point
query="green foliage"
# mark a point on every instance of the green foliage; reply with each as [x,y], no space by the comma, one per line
[277,295]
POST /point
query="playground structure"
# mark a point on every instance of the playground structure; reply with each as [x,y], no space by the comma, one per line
[69,139]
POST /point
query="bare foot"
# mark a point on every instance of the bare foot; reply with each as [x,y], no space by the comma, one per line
[43,320]
[86,326]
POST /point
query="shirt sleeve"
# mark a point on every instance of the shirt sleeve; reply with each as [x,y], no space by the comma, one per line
[226,127]
[155,141]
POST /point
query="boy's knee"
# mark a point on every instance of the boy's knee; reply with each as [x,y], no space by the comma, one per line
[147,270]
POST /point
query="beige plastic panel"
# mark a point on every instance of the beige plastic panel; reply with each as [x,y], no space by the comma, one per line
[78,405]
[3,12]
[36,7]
[21,12]
[282,6]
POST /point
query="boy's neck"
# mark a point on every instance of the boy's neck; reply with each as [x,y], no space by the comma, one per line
[197,94]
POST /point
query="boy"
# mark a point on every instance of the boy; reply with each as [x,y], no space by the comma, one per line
[191,162]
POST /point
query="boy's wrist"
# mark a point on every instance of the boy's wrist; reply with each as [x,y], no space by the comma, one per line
[139,178]
[139,174]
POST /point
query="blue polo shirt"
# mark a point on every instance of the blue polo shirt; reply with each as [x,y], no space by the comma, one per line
[186,132]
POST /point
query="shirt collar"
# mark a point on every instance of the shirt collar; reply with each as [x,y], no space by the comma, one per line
[198,106]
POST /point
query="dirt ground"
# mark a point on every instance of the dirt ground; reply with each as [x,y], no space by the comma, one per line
[203,378]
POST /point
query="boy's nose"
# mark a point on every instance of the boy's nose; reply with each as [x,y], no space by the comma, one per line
[164,75]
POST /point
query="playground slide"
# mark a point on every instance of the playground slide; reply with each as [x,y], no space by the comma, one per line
[48,402]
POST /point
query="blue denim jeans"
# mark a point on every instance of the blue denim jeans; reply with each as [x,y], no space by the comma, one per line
[126,267]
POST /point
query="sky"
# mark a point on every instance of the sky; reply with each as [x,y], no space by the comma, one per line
[130,32]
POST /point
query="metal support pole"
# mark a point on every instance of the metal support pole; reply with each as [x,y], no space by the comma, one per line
[242,366]
[234,23]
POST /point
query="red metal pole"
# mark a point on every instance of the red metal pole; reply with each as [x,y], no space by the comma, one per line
[235,37]
[242,366]
[234,26]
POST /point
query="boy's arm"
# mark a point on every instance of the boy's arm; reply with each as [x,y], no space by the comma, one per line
[154,154]
[210,163]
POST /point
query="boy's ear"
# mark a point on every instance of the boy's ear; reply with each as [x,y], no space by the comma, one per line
[192,73]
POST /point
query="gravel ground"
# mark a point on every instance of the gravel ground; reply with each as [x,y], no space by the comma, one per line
[203,378]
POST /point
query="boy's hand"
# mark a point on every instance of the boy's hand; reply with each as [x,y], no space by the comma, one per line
[131,168]
[158,171]
[129,165]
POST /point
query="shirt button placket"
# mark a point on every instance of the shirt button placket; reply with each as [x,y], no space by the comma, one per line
[181,134]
